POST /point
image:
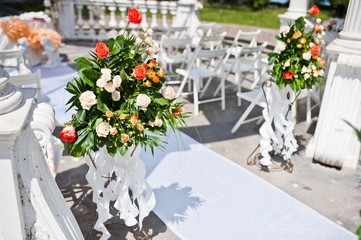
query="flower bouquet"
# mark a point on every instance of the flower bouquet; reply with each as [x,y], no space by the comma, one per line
[297,65]
[120,102]
[297,60]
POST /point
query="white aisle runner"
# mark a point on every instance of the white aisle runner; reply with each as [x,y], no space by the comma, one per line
[202,195]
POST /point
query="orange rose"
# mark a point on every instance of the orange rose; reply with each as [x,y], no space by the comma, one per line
[315,50]
[122,116]
[134,119]
[153,63]
[303,40]
[288,74]
[156,79]
[177,112]
[160,73]
[140,72]
[140,127]
[109,114]
[150,73]
[288,40]
[297,34]
[148,83]
[101,50]
[318,27]
[314,10]
[134,16]
[124,137]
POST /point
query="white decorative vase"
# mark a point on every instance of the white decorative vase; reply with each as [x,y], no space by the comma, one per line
[277,130]
[120,181]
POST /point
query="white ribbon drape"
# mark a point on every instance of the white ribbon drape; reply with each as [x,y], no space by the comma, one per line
[120,179]
[277,130]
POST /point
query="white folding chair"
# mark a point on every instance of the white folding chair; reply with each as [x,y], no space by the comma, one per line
[204,65]
[247,60]
[28,79]
[205,43]
[256,98]
[12,61]
[177,32]
[174,50]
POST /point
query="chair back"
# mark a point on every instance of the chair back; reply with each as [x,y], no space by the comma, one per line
[177,32]
[248,39]
[212,42]
[26,79]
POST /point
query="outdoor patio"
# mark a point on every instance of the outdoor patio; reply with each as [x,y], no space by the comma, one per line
[209,182]
[332,192]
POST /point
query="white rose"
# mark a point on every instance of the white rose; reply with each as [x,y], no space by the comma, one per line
[287,64]
[116,96]
[109,87]
[168,92]
[150,31]
[106,74]
[103,129]
[148,40]
[117,81]
[143,101]
[307,55]
[285,29]
[304,69]
[138,40]
[311,44]
[321,72]
[87,99]
[317,41]
[306,76]
[315,74]
[101,82]
[158,122]
[281,46]
[132,52]
[318,20]
[153,48]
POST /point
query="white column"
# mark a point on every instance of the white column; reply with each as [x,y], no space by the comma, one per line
[66,18]
[334,142]
[296,9]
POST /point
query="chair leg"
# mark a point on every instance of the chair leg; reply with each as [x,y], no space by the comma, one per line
[243,117]
[223,93]
[181,87]
[205,87]
[195,99]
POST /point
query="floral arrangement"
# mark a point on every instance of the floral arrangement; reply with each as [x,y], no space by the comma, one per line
[119,97]
[16,28]
[297,59]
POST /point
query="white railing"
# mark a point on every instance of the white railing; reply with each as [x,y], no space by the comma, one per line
[99,20]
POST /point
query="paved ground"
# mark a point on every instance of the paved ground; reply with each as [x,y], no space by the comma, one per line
[332,192]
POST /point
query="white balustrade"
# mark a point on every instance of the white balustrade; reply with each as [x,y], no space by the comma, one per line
[99,20]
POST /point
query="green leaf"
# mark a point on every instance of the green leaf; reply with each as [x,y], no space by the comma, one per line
[83,62]
[123,75]
[101,106]
[114,46]
[81,115]
[89,75]
[160,101]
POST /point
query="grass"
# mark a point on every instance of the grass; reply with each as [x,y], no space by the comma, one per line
[236,14]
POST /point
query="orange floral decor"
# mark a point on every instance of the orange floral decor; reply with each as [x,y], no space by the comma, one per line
[16,28]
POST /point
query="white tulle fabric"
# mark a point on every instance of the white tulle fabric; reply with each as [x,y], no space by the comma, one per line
[277,130]
[127,190]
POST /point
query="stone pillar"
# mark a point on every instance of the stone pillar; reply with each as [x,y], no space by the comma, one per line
[296,9]
[65,18]
[334,142]
[187,15]
[11,217]
[31,205]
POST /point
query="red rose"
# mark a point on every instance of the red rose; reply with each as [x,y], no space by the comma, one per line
[314,10]
[140,72]
[68,134]
[315,50]
[288,74]
[101,50]
[134,16]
